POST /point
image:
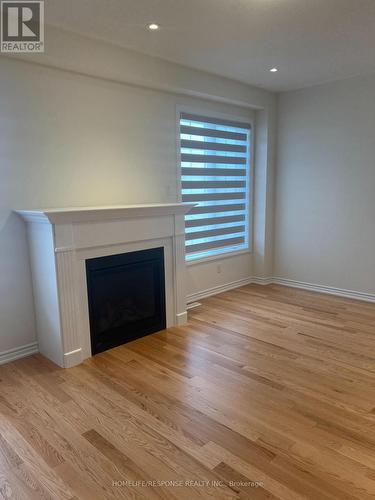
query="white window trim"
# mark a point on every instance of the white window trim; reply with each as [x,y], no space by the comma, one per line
[231,117]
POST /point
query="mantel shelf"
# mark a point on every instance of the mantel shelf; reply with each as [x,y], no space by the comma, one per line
[102,213]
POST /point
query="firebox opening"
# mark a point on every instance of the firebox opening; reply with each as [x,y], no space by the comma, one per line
[126,296]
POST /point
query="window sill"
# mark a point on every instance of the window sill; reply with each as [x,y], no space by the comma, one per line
[221,256]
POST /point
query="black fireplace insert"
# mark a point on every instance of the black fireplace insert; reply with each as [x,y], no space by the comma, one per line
[126,295]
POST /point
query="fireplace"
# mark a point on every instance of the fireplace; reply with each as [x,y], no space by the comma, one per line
[126,297]
[69,244]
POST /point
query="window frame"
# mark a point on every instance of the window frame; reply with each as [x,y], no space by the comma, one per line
[250,177]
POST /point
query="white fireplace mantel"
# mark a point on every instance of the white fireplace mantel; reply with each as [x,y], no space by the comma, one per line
[61,240]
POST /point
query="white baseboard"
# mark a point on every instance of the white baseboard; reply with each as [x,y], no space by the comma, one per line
[339,292]
[262,280]
[331,290]
[217,289]
[18,352]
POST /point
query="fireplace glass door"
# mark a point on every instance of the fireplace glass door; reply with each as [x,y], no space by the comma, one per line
[126,295]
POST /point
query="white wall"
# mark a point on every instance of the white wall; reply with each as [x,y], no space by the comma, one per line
[68,139]
[325,199]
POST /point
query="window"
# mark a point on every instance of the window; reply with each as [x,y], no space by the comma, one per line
[215,174]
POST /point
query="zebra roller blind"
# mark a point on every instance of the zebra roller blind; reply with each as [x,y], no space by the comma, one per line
[215,163]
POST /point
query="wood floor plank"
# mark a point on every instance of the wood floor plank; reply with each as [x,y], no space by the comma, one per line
[267,393]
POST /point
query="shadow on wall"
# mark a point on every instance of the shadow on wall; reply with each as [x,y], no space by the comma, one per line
[17,319]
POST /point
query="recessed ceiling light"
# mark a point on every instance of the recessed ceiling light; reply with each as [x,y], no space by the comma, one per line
[153,26]
[274,70]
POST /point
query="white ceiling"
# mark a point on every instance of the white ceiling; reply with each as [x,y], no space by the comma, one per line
[310,41]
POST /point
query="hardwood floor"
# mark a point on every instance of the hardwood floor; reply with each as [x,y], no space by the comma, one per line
[269,392]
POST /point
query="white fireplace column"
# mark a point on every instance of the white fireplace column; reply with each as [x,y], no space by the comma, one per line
[61,240]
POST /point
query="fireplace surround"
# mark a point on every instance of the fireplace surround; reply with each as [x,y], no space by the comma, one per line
[63,242]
